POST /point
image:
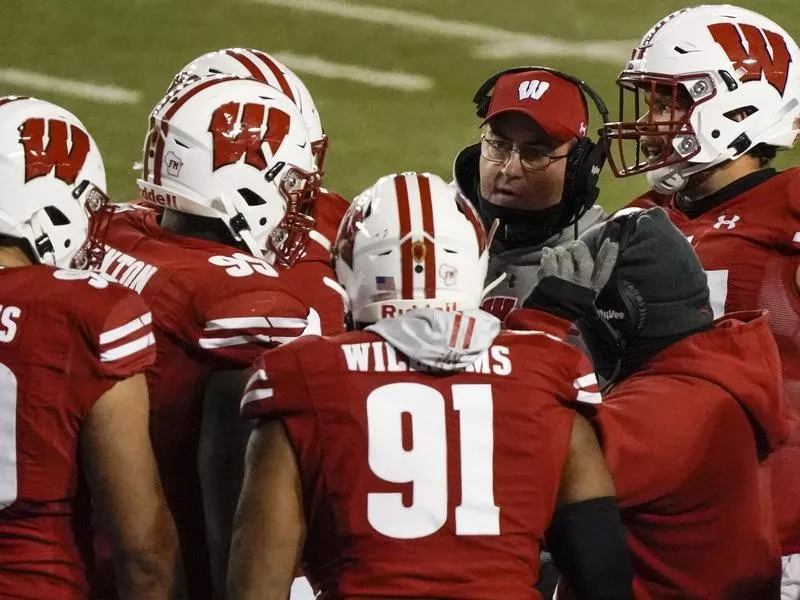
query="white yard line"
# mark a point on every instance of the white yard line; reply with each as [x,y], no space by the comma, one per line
[606,51]
[406,82]
[492,42]
[106,94]
[393,17]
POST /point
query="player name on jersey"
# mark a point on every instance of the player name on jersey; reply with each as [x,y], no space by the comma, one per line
[381,357]
[127,270]
[8,322]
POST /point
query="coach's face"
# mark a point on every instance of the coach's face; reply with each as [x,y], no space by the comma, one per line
[521,166]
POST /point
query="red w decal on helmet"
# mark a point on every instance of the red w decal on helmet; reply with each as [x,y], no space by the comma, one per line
[755,60]
[41,159]
[237,131]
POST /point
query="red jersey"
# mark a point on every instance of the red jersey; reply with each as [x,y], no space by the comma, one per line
[750,249]
[307,276]
[214,308]
[420,484]
[66,337]
[682,438]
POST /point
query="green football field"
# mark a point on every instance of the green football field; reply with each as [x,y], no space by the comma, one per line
[393,79]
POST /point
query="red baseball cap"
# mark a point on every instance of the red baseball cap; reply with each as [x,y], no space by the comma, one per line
[554,103]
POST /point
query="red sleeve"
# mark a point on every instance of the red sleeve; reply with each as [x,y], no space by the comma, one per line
[242,321]
[788,235]
[577,368]
[123,344]
[276,388]
[307,280]
[537,321]
[648,461]
[329,209]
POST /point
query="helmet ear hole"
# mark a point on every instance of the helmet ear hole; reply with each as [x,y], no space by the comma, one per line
[57,217]
[740,114]
[251,197]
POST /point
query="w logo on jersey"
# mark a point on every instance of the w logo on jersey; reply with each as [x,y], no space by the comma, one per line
[499,306]
[57,154]
[756,59]
[533,89]
[240,131]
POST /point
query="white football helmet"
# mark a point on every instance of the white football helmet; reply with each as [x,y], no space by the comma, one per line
[53,183]
[235,149]
[739,70]
[410,241]
[263,67]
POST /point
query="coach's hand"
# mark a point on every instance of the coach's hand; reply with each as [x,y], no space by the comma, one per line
[569,279]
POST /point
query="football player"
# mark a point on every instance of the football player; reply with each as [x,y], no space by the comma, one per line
[73,397]
[719,93]
[425,455]
[308,275]
[230,161]
[691,410]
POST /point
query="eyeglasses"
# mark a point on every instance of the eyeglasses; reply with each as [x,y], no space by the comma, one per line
[531,158]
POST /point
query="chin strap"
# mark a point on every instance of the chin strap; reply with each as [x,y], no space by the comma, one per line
[493,285]
[673,178]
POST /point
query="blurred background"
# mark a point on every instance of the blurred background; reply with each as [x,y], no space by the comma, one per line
[393,79]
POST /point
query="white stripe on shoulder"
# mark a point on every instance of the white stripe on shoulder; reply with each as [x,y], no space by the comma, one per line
[589,397]
[313,323]
[255,322]
[555,338]
[257,394]
[585,381]
[260,375]
[320,239]
[112,335]
[128,349]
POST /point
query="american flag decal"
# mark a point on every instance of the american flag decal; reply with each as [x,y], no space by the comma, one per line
[384,284]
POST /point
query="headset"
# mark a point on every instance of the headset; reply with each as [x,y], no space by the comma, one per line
[633,304]
[585,160]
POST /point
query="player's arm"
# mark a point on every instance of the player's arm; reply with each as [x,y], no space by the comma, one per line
[126,489]
[586,536]
[269,526]
[223,440]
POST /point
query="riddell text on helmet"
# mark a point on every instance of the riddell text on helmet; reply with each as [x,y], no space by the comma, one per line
[389,311]
[161,199]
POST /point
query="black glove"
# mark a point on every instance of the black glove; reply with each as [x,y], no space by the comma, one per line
[569,279]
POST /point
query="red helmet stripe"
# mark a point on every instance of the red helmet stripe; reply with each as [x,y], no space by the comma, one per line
[427,226]
[282,82]
[404,216]
[454,328]
[248,64]
[159,152]
[147,144]
[468,334]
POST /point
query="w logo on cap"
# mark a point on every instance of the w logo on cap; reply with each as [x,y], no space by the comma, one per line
[533,89]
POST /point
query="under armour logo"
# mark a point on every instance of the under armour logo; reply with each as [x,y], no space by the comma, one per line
[595,170]
[534,89]
[582,128]
[730,223]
